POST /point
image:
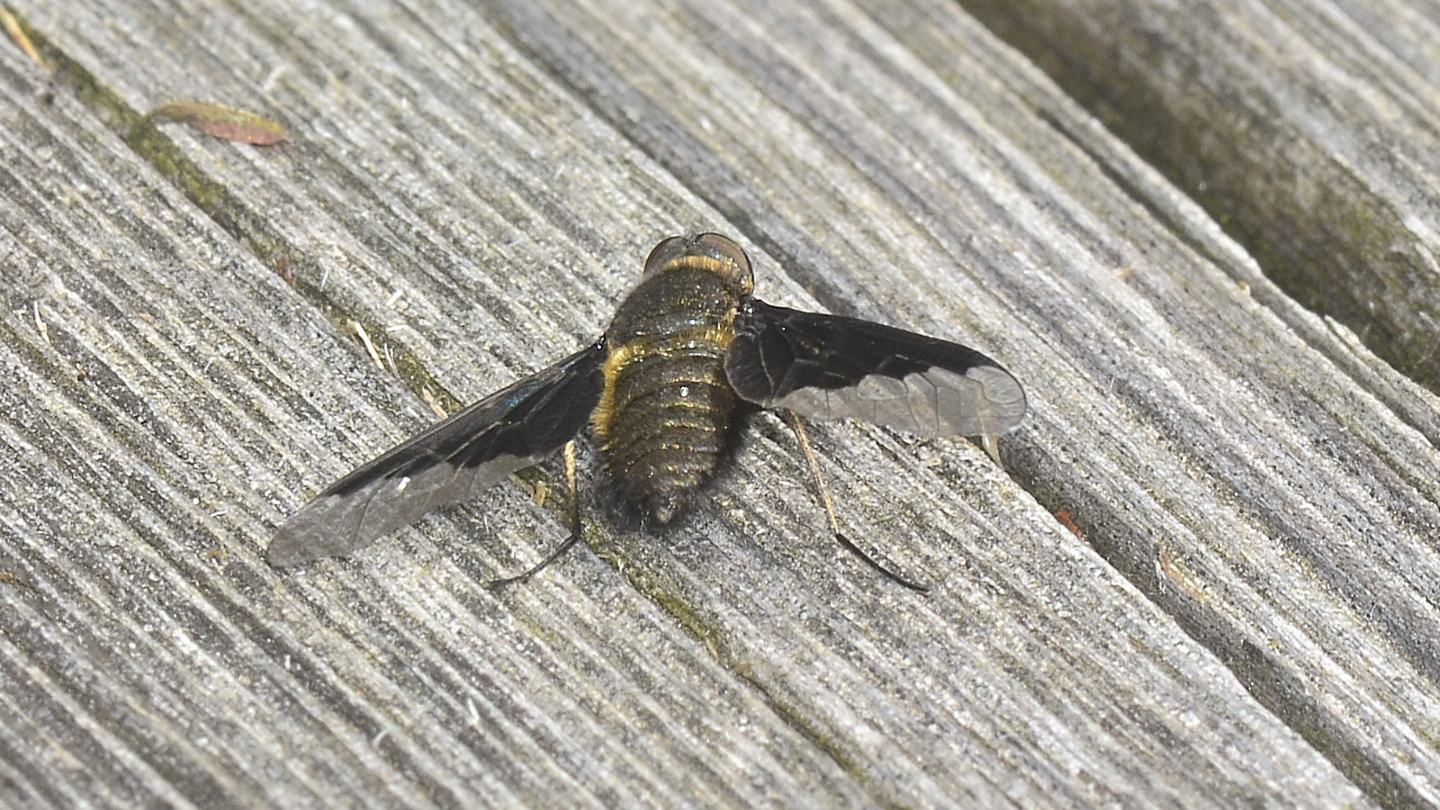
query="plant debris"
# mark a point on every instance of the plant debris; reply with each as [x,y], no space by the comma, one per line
[226,123]
[17,33]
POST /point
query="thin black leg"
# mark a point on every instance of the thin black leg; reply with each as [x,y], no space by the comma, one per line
[809,452]
[574,487]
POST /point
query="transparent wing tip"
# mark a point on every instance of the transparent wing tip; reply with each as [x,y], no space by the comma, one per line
[1004,398]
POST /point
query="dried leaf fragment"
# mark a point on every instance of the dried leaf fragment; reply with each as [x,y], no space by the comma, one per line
[227,123]
[17,33]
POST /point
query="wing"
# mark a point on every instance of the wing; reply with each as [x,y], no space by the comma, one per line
[830,367]
[507,431]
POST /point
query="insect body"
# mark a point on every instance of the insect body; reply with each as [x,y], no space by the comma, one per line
[666,406]
[685,348]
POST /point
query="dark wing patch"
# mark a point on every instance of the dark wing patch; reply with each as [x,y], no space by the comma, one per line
[452,461]
[832,367]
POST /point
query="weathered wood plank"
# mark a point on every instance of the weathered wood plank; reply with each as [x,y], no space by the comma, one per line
[1247,486]
[1302,500]
[1309,128]
[476,162]
[164,392]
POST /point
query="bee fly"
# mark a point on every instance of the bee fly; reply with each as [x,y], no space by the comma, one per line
[686,347]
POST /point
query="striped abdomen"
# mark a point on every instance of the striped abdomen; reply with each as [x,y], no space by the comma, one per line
[664,416]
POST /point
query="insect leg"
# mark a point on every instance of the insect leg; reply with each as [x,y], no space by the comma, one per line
[809,452]
[574,487]
[991,443]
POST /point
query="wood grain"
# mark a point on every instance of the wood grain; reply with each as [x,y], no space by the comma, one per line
[1208,577]
[1309,130]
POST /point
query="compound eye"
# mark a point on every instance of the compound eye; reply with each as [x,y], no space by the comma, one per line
[665,252]
[724,246]
[707,251]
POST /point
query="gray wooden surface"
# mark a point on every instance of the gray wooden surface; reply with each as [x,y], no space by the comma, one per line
[1309,130]
[1247,608]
